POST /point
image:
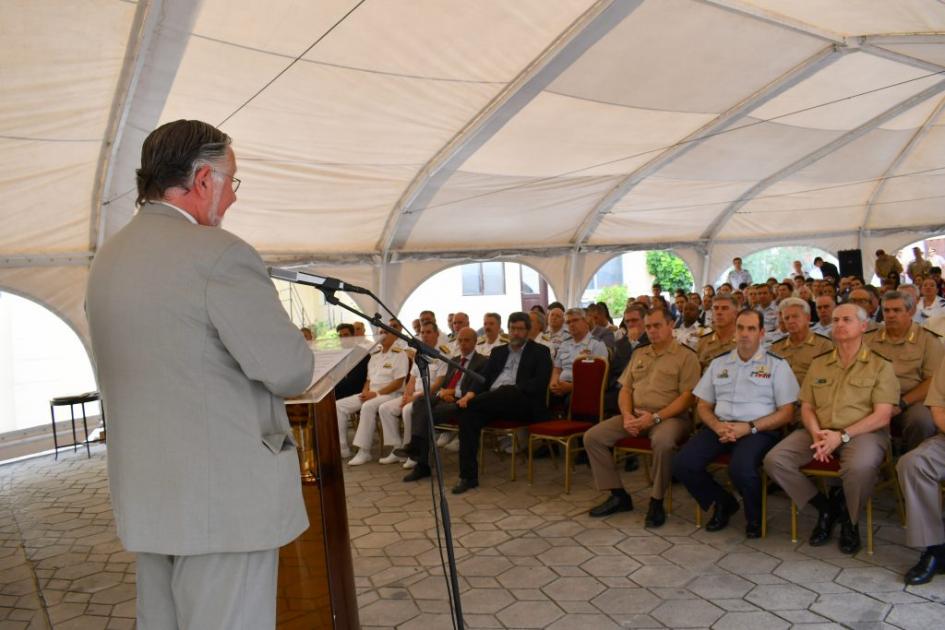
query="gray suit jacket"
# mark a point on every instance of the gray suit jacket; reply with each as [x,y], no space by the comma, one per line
[193,354]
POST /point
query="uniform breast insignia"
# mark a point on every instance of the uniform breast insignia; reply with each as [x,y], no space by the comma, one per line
[388,365]
[761,371]
[723,373]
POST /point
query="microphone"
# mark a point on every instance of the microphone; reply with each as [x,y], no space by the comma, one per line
[320,282]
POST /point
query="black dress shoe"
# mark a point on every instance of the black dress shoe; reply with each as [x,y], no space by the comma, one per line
[655,514]
[465,484]
[752,530]
[723,512]
[849,537]
[928,566]
[406,450]
[612,505]
[419,472]
[823,530]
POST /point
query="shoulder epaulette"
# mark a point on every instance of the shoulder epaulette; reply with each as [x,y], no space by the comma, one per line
[643,344]
[721,354]
[444,348]
[709,333]
[503,337]
[881,356]
[690,349]
[480,341]
[823,354]
[780,339]
[931,332]
[396,349]
[870,331]
[375,349]
[776,355]
[827,337]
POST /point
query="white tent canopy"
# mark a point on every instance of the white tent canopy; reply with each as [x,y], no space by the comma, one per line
[384,140]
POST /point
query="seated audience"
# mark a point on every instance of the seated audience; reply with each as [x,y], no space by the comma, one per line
[655,395]
[847,399]
[744,398]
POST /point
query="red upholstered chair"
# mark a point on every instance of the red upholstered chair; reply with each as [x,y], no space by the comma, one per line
[586,409]
[641,445]
[831,469]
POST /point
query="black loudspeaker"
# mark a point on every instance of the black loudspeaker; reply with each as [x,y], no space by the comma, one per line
[851,262]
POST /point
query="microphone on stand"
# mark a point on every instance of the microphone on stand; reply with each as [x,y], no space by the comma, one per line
[320,282]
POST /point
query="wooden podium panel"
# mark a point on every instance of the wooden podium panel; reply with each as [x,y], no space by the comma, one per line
[316,574]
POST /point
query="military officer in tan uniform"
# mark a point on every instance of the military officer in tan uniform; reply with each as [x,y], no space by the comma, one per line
[915,353]
[492,326]
[801,344]
[722,337]
[921,472]
[847,400]
[654,401]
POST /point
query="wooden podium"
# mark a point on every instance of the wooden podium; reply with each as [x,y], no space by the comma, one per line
[316,575]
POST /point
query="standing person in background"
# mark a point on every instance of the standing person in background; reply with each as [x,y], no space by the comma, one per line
[828,270]
[886,264]
[194,354]
[738,277]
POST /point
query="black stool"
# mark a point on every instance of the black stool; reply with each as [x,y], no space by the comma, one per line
[71,401]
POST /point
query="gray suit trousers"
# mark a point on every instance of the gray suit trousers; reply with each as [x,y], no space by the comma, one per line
[664,439]
[216,591]
[921,470]
[859,467]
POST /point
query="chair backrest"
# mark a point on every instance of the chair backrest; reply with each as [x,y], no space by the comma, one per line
[587,394]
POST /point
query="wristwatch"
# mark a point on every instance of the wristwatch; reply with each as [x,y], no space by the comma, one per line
[844,437]
[656,418]
[753,428]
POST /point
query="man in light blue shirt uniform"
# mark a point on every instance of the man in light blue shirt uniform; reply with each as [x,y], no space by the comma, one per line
[745,396]
[580,345]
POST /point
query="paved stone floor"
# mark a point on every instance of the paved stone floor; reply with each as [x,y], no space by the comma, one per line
[528,557]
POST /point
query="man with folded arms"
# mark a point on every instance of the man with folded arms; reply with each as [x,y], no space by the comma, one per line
[921,473]
[745,397]
[654,401]
[846,401]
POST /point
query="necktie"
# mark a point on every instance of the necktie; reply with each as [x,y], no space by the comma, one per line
[456,375]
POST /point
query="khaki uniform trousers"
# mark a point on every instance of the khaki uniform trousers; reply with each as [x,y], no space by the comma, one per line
[916,425]
[215,591]
[859,467]
[664,438]
[921,470]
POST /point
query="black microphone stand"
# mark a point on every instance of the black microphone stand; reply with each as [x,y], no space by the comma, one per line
[424,354]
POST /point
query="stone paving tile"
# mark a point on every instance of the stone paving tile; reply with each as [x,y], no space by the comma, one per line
[529,557]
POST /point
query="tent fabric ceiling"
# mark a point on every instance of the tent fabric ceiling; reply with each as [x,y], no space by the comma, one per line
[386,133]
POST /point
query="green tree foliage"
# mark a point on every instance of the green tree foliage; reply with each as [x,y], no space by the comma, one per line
[615,297]
[669,270]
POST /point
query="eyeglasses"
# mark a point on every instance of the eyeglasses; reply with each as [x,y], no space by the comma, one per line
[234,182]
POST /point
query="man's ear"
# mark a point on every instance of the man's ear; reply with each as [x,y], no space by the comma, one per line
[202,185]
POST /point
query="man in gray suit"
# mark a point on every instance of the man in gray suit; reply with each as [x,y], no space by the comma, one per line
[194,354]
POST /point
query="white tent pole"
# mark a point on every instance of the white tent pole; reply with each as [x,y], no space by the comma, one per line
[891,169]
[593,24]
[719,222]
[146,19]
[810,66]
[868,46]
[758,13]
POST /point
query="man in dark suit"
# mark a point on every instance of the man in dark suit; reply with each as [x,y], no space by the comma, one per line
[455,384]
[516,388]
[827,269]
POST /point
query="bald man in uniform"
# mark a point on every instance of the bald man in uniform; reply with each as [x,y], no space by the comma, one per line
[847,399]
[654,401]
[915,353]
